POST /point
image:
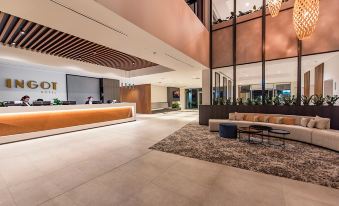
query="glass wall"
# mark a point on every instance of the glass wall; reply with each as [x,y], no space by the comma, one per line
[222,85]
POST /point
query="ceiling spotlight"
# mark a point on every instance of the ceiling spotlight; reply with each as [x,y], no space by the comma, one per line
[13,43]
[22,32]
[133,63]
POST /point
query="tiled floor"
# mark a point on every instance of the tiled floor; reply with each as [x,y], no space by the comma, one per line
[112,166]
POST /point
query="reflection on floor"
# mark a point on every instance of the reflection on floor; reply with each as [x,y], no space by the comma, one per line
[112,166]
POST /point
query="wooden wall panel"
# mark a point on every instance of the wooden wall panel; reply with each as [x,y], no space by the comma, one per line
[281,41]
[307,83]
[326,36]
[141,95]
[222,47]
[249,41]
[319,79]
[111,89]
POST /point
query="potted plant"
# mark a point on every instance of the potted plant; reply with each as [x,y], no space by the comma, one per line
[221,101]
[175,105]
[276,101]
[268,100]
[228,101]
[2,104]
[249,101]
[240,101]
[257,101]
[287,100]
[318,100]
[332,100]
[56,101]
[306,100]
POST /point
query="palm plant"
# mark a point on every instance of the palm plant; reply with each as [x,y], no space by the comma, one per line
[240,101]
[332,100]
[306,100]
[228,101]
[249,101]
[276,101]
[318,100]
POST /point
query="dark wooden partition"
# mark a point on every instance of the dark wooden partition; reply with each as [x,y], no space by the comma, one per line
[207,112]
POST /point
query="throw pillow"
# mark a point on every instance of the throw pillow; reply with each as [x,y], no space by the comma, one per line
[249,117]
[311,123]
[263,118]
[231,116]
[304,121]
[322,123]
[275,120]
[239,116]
[288,120]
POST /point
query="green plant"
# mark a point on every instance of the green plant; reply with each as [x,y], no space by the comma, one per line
[318,100]
[228,101]
[257,101]
[175,105]
[2,104]
[221,101]
[268,100]
[56,101]
[332,100]
[276,101]
[306,100]
[294,100]
[287,100]
[249,101]
[240,101]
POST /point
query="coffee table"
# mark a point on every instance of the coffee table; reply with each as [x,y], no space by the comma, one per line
[264,131]
[279,135]
[249,131]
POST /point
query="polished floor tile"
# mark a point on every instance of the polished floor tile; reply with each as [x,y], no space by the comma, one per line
[113,166]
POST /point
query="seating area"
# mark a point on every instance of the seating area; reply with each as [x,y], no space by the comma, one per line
[312,130]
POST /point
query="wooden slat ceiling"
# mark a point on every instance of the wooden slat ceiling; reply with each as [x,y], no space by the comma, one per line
[21,33]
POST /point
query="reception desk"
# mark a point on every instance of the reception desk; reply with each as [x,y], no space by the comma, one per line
[21,123]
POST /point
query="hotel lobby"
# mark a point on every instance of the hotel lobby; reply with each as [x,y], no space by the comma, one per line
[181,102]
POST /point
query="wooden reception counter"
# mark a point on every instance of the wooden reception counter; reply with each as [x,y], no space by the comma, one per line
[20,123]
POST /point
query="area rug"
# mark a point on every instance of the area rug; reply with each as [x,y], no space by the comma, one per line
[298,161]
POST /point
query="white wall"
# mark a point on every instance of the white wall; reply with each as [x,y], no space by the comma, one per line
[158,94]
[37,73]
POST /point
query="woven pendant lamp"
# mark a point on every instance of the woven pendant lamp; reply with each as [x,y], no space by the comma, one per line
[274,7]
[305,17]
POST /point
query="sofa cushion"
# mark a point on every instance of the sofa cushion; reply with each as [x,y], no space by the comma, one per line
[239,116]
[249,117]
[231,116]
[322,123]
[289,121]
[275,120]
[311,123]
[326,138]
[304,121]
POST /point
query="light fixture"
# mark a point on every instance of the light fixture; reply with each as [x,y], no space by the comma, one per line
[13,43]
[305,17]
[274,6]
[22,32]
[127,80]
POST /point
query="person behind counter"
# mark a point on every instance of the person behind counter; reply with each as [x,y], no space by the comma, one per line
[25,100]
[89,100]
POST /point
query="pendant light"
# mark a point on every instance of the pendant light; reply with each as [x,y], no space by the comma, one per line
[305,17]
[274,6]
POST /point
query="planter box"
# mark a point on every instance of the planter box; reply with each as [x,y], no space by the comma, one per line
[207,112]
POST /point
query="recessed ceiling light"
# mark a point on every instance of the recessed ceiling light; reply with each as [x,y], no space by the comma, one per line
[13,43]
[22,32]
[247,4]
[133,62]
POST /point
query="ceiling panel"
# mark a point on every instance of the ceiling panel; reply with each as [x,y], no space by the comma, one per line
[21,33]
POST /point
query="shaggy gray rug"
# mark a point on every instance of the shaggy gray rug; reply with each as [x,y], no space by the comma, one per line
[297,161]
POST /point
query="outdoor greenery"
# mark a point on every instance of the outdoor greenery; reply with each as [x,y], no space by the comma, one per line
[314,100]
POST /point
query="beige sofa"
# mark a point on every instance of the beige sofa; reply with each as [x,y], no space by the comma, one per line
[327,138]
